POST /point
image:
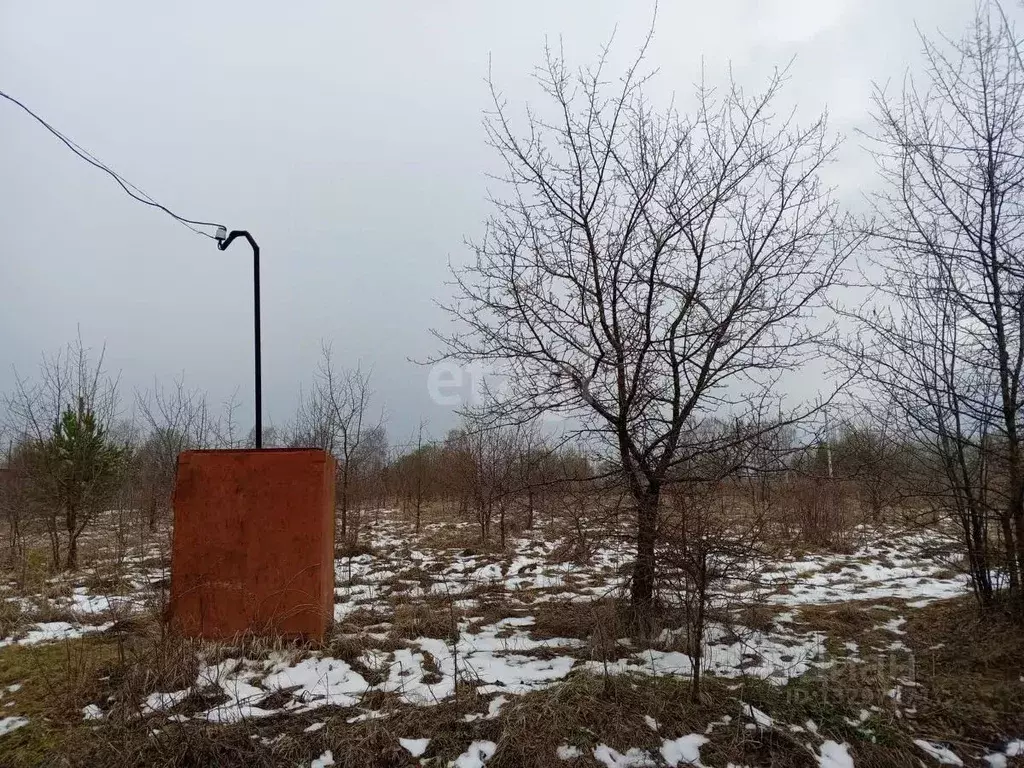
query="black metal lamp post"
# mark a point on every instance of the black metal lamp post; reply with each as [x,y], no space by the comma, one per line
[224,239]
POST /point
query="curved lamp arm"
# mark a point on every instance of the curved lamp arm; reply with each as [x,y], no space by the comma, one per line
[224,239]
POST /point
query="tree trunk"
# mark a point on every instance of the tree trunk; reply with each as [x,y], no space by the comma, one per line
[642,593]
[344,504]
[71,523]
[697,625]
[72,559]
[1014,535]
[54,542]
[1018,524]
[975,537]
[484,513]
[15,537]
[153,508]
[73,531]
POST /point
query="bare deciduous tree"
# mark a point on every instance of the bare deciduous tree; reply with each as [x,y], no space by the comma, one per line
[945,339]
[15,498]
[645,271]
[708,550]
[335,416]
[65,421]
[414,470]
[176,420]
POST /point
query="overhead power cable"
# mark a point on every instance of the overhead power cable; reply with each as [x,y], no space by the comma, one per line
[130,189]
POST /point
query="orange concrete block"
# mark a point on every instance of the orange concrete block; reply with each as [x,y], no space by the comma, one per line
[253,548]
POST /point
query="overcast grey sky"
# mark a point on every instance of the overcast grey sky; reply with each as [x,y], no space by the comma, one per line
[347,137]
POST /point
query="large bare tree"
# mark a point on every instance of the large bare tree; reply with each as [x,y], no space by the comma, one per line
[645,271]
[944,339]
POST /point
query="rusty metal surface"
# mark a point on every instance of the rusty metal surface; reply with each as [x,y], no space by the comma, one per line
[253,546]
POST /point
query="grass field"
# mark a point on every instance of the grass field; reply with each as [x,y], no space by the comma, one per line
[448,653]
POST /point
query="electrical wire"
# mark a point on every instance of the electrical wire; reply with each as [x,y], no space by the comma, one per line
[130,189]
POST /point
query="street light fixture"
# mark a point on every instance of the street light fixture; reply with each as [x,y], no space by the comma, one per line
[224,239]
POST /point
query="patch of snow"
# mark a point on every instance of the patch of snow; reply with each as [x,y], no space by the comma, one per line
[942,754]
[414,747]
[862,718]
[634,757]
[82,602]
[568,752]
[496,661]
[893,625]
[324,761]
[313,728]
[374,658]
[92,712]
[51,631]
[494,707]
[8,724]
[228,676]
[683,751]
[490,572]
[406,674]
[762,719]
[158,702]
[516,673]
[897,567]
[476,756]
[1012,749]
[776,657]
[370,714]
[834,755]
[326,680]
[726,719]
[342,610]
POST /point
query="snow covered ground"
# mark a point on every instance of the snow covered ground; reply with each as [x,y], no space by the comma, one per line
[483,631]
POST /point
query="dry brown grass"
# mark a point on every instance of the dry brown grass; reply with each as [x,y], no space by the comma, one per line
[575,713]
[969,667]
[969,688]
[840,621]
[352,548]
[362,618]
[589,710]
[412,620]
[558,618]
[969,691]
[13,619]
[755,616]
[445,532]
